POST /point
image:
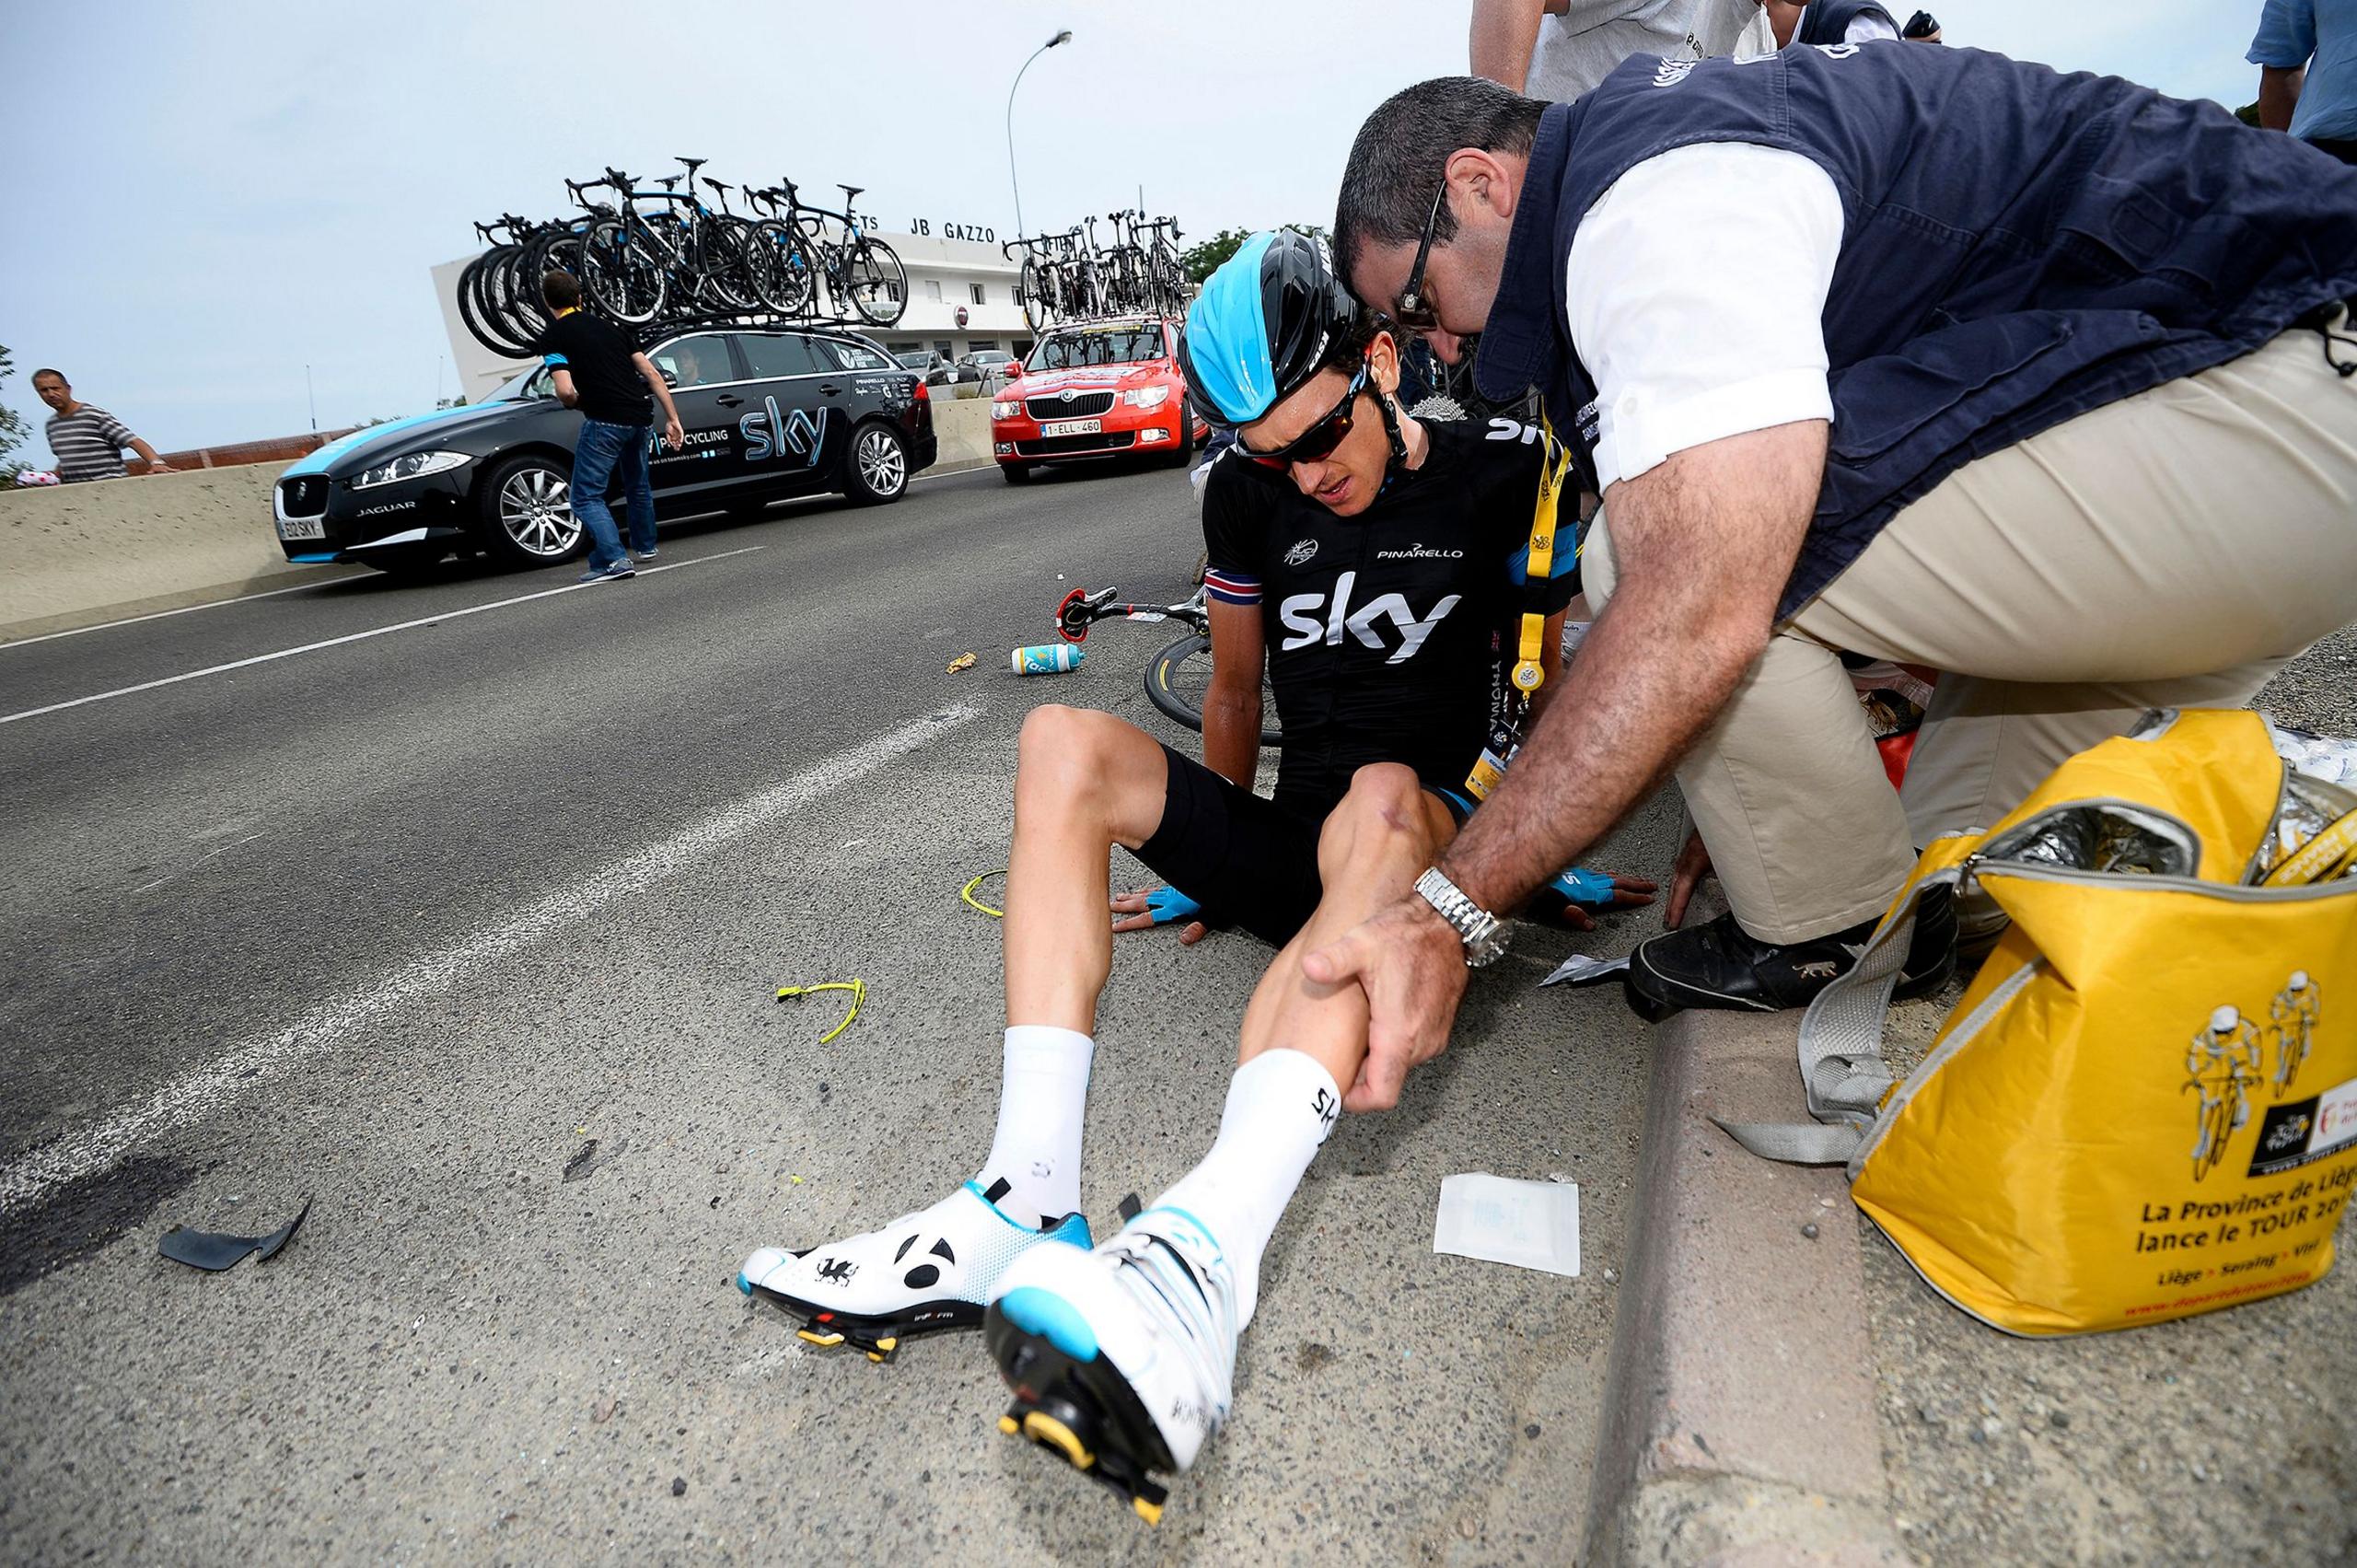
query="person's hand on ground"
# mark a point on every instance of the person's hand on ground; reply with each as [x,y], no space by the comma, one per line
[1411,966]
[1158,906]
[1693,865]
[673,436]
[1550,903]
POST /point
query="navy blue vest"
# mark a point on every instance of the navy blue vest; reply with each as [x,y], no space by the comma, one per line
[1828,21]
[2019,247]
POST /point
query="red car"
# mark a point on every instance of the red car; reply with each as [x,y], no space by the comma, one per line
[1098,389]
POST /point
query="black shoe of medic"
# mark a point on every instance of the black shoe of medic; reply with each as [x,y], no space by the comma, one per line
[933,1270]
[1720,965]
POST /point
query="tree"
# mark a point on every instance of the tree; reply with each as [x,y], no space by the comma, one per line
[13,431]
[1201,261]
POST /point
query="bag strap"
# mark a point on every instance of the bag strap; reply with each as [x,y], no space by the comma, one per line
[1842,1070]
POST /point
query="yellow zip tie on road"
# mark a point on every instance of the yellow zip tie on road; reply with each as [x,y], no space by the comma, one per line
[857,987]
[967,893]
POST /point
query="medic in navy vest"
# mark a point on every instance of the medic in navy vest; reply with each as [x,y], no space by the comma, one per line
[2018,247]
[1828,21]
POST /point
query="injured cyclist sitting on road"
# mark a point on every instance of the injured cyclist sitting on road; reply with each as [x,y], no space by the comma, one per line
[1402,583]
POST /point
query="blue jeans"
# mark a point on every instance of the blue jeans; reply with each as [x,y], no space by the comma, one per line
[603,451]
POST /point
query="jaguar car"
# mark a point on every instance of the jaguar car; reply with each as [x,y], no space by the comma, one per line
[766,413]
[1105,388]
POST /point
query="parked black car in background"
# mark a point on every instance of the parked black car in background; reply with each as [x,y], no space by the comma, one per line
[931,363]
[766,413]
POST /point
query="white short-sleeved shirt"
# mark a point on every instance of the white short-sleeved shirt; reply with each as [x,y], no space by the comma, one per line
[1696,297]
[1864,28]
[1579,48]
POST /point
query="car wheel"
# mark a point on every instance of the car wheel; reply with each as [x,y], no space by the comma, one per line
[528,519]
[1016,473]
[876,468]
[1184,448]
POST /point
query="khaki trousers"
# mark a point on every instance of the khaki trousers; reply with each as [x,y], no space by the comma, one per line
[2174,549]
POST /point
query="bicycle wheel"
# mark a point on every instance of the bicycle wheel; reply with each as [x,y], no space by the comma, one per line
[1035,301]
[777,263]
[877,282]
[722,253]
[1177,676]
[620,276]
[472,312]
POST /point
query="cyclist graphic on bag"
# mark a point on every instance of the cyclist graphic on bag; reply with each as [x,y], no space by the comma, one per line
[2223,1063]
[2295,1011]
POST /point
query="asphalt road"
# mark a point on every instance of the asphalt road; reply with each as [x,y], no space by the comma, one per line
[402,924]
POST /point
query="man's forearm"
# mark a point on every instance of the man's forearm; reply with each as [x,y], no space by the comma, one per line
[1504,34]
[1232,735]
[1703,544]
[2279,95]
[146,453]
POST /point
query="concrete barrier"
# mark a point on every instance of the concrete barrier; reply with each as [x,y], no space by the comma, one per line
[964,428]
[81,554]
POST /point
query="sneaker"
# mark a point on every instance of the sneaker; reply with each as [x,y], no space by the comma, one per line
[1720,965]
[1123,1360]
[925,1272]
[646,554]
[615,573]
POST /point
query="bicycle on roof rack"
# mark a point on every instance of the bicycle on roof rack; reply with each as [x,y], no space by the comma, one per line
[798,247]
[1177,678]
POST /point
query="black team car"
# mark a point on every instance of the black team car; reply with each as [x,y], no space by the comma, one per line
[767,414]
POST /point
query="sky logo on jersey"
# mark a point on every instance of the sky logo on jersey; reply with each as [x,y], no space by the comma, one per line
[769,434]
[1299,613]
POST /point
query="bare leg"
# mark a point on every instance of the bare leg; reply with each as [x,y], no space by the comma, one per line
[1084,782]
[1374,846]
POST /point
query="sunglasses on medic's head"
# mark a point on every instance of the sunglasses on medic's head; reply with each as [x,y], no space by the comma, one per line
[1312,445]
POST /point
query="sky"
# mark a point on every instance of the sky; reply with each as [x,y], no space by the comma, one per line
[208,200]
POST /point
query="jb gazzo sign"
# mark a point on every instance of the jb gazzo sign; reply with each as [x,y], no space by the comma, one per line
[953,230]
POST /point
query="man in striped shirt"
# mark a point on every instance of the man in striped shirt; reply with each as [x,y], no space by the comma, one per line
[87,441]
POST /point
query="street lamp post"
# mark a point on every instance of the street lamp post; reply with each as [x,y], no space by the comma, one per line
[1063,37]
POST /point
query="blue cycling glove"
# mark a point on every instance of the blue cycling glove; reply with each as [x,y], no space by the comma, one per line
[1166,904]
[1592,889]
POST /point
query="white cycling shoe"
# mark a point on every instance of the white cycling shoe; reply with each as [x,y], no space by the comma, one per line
[933,1270]
[1122,1359]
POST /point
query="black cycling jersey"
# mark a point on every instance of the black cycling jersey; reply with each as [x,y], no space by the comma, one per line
[1389,634]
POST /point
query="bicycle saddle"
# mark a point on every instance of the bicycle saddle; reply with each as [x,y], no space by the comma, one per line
[693,163]
[717,185]
[851,192]
[669,182]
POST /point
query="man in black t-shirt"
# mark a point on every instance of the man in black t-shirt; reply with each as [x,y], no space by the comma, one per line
[598,372]
[1379,567]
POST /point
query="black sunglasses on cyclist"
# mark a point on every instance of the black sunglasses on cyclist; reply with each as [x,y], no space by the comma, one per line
[1318,441]
[1415,312]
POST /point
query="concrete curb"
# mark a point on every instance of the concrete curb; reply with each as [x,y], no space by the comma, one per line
[1739,1423]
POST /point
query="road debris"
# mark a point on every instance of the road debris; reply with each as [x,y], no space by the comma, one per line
[212,1252]
[856,986]
[964,661]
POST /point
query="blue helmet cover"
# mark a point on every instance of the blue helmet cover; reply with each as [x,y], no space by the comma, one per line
[1227,337]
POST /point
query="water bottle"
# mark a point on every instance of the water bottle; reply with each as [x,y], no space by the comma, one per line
[1047,658]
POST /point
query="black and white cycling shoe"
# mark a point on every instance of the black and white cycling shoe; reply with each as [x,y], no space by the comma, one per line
[1719,964]
[1123,1360]
[933,1270]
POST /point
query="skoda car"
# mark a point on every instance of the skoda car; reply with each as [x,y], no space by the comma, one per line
[1098,389]
[766,413]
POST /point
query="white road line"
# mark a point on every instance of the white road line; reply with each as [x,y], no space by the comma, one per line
[184,610]
[354,637]
[213,1088]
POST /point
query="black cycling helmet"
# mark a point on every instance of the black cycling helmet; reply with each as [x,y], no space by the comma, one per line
[1264,323]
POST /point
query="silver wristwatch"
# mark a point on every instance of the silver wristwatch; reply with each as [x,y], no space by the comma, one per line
[1483,933]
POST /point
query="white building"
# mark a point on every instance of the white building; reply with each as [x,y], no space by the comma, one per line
[961,298]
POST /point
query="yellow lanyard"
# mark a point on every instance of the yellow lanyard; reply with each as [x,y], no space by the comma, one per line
[1528,674]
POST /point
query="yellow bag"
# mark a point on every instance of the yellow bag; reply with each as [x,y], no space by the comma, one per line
[2146,1105]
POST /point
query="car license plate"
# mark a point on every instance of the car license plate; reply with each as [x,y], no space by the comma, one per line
[1072,427]
[303,527]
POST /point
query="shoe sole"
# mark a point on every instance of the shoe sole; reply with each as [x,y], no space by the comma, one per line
[878,1334]
[1080,1409]
[1653,996]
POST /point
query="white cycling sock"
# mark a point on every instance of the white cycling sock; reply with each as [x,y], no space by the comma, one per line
[1281,1104]
[1037,1148]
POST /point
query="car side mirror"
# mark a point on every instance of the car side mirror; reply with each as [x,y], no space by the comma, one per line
[1014,368]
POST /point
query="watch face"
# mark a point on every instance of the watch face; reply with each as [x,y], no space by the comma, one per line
[1489,950]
